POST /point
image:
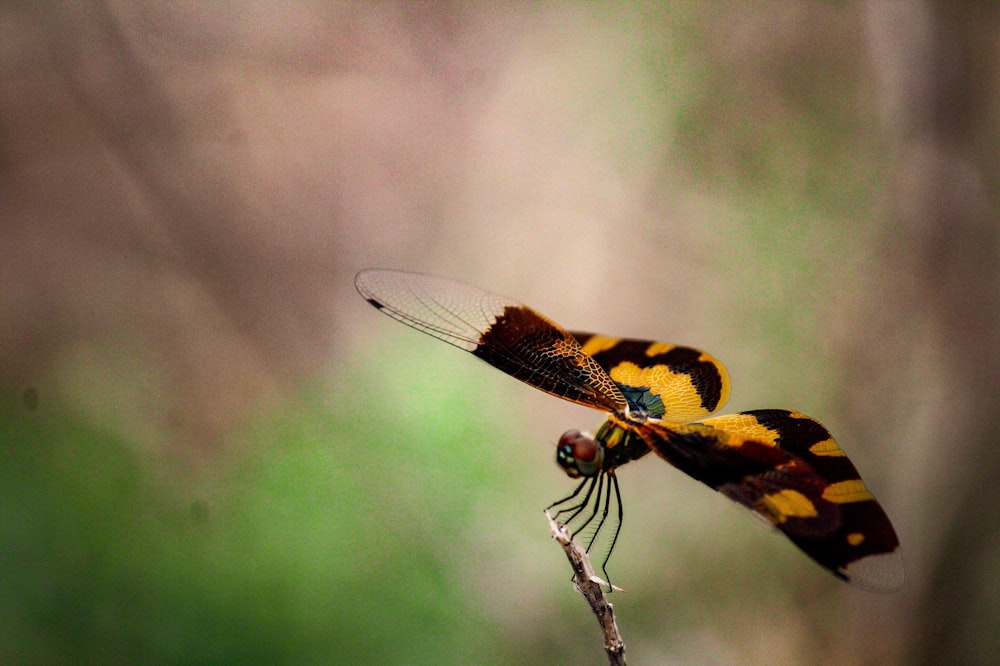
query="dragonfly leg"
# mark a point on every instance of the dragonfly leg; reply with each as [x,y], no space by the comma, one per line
[597,509]
[618,528]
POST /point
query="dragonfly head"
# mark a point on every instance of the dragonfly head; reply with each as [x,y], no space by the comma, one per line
[579,454]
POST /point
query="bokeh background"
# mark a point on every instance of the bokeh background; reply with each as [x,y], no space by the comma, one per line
[213,451]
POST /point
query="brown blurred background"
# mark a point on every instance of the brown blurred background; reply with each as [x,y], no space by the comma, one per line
[215,450]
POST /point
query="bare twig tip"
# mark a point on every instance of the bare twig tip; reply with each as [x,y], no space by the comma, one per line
[591,587]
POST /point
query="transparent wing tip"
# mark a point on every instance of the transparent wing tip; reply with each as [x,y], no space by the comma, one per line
[883,572]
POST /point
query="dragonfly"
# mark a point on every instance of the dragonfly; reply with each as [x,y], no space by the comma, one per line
[783,465]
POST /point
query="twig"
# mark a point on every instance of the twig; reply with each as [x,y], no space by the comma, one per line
[592,588]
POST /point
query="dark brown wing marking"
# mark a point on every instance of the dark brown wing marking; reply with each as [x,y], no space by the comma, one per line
[507,335]
[786,467]
[667,381]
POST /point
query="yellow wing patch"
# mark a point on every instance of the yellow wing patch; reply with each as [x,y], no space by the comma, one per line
[598,343]
[845,492]
[827,447]
[660,380]
[681,400]
[746,426]
[659,348]
[785,504]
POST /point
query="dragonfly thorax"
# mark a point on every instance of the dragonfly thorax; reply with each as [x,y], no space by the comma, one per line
[579,454]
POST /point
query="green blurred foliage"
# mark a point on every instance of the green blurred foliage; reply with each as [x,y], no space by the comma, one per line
[310,547]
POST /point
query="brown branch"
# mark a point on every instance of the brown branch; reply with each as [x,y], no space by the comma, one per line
[592,588]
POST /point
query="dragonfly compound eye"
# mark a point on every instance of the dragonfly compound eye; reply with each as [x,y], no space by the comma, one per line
[579,454]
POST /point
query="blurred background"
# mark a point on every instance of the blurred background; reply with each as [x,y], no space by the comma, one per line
[214,451]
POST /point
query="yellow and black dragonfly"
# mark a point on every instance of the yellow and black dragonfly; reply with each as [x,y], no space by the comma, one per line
[781,464]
